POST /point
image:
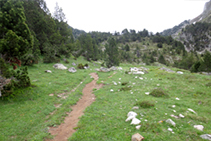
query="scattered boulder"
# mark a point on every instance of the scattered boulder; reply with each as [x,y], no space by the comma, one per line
[171,122]
[166,69]
[169,129]
[120,68]
[206,137]
[135,121]
[138,127]
[113,68]
[104,69]
[191,110]
[60,66]
[199,127]
[48,71]
[179,72]
[131,115]
[137,137]
[72,69]
[138,72]
[73,64]
[181,116]
[51,94]
[135,108]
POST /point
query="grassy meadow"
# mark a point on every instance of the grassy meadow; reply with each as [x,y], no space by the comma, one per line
[29,114]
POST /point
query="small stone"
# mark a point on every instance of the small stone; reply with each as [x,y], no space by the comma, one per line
[137,137]
[138,127]
[173,106]
[171,122]
[191,110]
[174,111]
[179,72]
[206,137]
[135,121]
[174,116]
[72,69]
[169,129]
[111,90]
[180,115]
[48,71]
[147,93]
[199,127]
[135,108]
[177,98]
[141,78]
[51,94]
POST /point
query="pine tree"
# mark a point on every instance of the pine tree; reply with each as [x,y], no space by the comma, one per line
[206,63]
[15,36]
[112,52]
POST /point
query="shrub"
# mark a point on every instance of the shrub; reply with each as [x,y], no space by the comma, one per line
[144,104]
[80,66]
[159,92]
[86,65]
[208,84]
[125,89]
[124,83]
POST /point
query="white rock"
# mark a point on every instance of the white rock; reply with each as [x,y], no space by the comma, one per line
[191,110]
[158,84]
[111,90]
[171,122]
[120,78]
[169,129]
[177,98]
[174,111]
[131,92]
[180,115]
[173,106]
[48,71]
[72,69]
[141,78]
[179,72]
[131,113]
[129,118]
[115,83]
[199,127]
[138,127]
[60,66]
[135,108]
[119,68]
[136,77]
[147,93]
[206,137]
[174,116]
[135,121]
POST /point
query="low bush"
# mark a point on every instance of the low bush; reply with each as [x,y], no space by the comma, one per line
[159,92]
[144,104]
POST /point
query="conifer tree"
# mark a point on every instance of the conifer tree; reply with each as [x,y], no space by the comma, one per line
[112,52]
[15,36]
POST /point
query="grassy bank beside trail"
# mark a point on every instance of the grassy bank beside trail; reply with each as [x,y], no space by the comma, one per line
[27,115]
[105,119]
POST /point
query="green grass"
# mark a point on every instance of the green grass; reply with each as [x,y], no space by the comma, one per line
[27,115]
[105,118]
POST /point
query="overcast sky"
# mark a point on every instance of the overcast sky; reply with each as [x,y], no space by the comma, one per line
[116,15]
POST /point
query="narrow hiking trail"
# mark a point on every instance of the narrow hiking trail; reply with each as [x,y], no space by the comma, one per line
[66,129]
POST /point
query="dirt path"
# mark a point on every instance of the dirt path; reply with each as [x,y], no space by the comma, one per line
[66,129]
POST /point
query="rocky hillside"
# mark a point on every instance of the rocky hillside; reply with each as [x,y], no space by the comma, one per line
[195,34]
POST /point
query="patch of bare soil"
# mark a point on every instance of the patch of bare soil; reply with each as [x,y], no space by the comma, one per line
[66,129]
